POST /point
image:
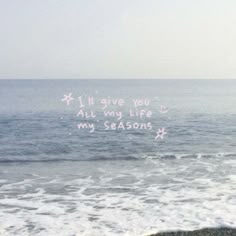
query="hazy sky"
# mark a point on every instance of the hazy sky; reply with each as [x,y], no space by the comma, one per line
[117,39]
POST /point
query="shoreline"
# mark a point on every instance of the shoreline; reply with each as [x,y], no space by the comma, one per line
[201,232]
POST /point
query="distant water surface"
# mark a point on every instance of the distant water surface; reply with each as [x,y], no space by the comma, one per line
[58,180]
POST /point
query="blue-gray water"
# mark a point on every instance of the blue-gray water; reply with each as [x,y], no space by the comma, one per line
[58,180]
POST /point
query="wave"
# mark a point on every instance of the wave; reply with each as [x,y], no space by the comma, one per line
[188,156]
[157,156]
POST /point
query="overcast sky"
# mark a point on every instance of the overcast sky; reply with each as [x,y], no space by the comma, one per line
[117,39]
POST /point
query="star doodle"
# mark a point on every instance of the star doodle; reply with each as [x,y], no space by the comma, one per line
[67,99]
[160,133]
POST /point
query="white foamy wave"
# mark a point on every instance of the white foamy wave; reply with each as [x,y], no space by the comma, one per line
[117,198]
[163,156]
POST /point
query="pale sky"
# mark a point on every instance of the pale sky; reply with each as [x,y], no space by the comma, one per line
[117,39]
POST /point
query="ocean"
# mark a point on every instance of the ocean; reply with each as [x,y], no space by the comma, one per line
[120,157]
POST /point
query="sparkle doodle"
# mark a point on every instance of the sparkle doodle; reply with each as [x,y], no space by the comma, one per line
[67,98]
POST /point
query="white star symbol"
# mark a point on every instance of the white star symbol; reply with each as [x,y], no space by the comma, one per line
[67,99]
[160,133]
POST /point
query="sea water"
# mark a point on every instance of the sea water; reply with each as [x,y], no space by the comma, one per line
[56,179]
